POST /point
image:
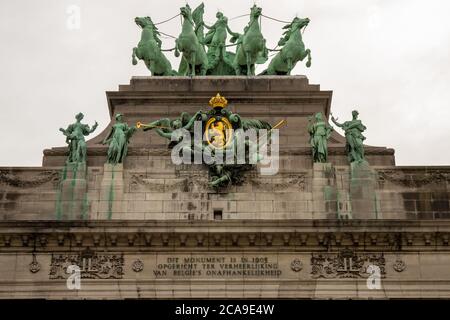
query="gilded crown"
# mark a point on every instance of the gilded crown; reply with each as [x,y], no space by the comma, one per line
[218,101]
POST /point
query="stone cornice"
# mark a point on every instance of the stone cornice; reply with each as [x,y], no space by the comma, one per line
[242,89]
[234,235]
[161,151]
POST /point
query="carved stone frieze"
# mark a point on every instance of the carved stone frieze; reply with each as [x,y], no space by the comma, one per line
[34,265]
[92,265]
[345,264]
[412,180]
[279,184]
[137,266]
[31,180]
[399,265]
[296,265]
[185,184]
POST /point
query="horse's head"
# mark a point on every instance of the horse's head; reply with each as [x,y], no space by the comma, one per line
[143,22]
[297,24]
[303,22]
[255,12]
[186,12]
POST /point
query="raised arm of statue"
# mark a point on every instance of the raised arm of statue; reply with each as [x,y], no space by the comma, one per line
[340,125]
[164,122]
[189,125]
[233,34]
[205,25]
[94,127]
[167,135]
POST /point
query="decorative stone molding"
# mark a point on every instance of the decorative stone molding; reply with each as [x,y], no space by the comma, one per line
[411,180]
[13,179]
[92,265]
[137,265]
[187,184]
[34,265]
[345,264]
[296,265]
[57,236]
[399,265]
[291,180]
[158,150]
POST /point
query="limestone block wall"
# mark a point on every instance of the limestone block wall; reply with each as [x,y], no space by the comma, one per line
[154,189]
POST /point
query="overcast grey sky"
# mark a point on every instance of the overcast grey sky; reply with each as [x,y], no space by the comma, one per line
[387,58]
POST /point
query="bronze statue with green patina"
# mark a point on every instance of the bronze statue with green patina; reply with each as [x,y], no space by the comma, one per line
[292,51]
[170,129]
[149,49]
[219,60]
[319,131]
[252,49]
[354,138]
[117,140]
[75,134]
[216,60]
[194,60]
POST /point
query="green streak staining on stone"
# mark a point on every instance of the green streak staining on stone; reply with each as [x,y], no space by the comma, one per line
[71,200]
[111,195]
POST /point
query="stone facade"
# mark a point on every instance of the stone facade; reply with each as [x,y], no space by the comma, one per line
[151,229]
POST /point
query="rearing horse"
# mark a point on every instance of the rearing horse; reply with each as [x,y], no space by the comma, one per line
[187,42]
[149,49]
[293,49]
[253,47]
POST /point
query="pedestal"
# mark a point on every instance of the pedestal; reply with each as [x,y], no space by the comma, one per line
[362,191]
[72,196]
[112,192]
[324,191]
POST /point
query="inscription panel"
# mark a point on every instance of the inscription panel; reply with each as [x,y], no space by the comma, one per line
[218,266]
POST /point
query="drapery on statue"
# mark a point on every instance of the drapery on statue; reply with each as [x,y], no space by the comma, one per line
[319,132]
[149,49]
[194,55]
[75,133]
[118,139]
[353,134]
[220,61]
[252,49]
[292,51]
